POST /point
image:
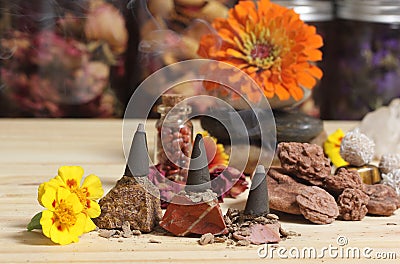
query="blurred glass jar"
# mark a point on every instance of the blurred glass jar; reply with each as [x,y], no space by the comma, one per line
[319,13]
[56,57]
[367,58]
[174,137]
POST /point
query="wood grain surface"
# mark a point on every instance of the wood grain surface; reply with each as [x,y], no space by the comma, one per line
[31,150]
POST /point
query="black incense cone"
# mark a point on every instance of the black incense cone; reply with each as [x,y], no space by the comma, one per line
[257,202]
[138,160]
[198,179]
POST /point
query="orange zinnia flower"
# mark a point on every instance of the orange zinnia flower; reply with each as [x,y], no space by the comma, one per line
[271,44]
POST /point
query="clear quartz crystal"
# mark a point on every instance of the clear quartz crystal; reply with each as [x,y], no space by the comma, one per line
[383,127]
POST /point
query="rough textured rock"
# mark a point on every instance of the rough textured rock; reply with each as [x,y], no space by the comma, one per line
[305,161]
[317,205]
[389,162]
[282,190]
[383,199]
[392,179]
[256,230]
[132,199]
[186,216]
[369,173]
[342,180]
[357,148]
[353,204]
[207,238]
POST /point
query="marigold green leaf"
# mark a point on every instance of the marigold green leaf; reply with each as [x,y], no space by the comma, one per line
[35,222]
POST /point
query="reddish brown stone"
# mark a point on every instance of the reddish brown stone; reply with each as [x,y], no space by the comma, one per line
[283,191]
[305,161]
[353,204]
[317,205]
[183,217]
[258,234]
[383,199]
[343,179]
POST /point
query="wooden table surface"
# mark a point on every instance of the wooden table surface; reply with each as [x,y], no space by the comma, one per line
[31,150]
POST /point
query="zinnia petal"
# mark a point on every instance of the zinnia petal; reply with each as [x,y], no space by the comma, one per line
[306,80]
[245,11]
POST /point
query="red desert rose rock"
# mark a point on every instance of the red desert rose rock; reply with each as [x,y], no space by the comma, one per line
[317,205]
[305,161]
[383,199]
[342,180]
[283,190]
[353,204]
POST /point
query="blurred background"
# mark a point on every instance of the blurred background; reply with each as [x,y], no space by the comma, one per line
[62,58]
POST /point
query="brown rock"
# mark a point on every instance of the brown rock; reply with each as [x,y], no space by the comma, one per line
[353,204]
[342,180]
[282,190]
[383,199]
[132,199]
[207,238]
[317,205]
[305,161]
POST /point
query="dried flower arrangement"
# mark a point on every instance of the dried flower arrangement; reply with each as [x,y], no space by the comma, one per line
[57,63]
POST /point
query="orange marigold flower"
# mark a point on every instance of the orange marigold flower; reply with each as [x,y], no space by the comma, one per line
[216,154]
[271,44]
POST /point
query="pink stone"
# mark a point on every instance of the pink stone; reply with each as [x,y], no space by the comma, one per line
[184,217]
[260,234]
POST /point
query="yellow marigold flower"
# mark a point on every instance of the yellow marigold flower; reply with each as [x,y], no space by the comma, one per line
[69,177]
[63,221]
[332,148]
[216,154]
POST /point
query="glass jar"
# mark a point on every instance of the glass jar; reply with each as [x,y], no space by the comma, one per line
[367,64]
[320,14]
[57,57]
[174,137]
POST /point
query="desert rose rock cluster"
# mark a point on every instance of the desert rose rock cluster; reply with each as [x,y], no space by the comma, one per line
[304,185]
